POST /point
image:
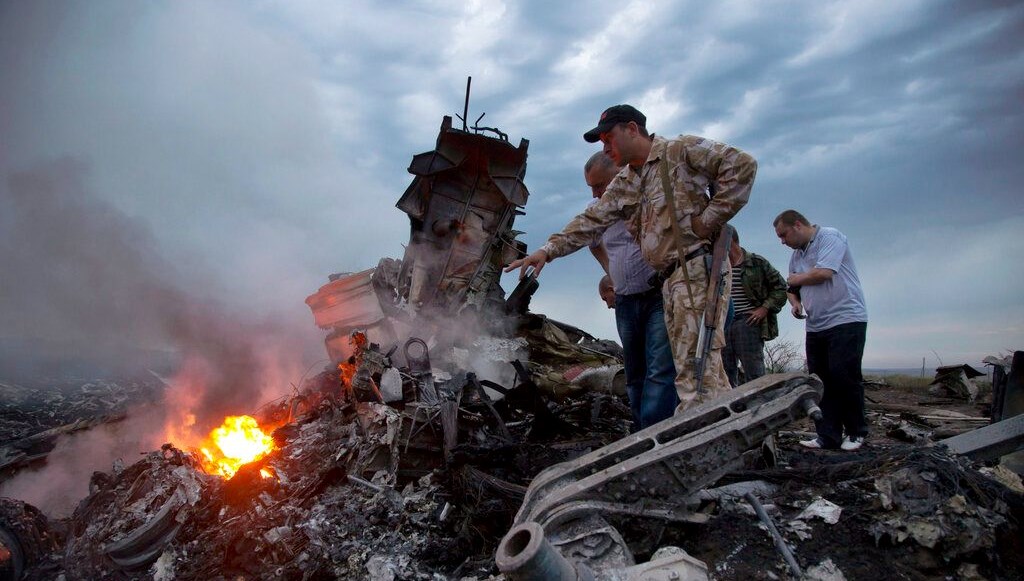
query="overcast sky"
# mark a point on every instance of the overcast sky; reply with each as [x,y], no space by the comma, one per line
[240,152]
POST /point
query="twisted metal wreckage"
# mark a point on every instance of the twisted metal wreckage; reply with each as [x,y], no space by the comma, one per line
[465,375]
[462,204]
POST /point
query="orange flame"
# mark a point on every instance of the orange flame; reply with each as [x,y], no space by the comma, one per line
[238,441]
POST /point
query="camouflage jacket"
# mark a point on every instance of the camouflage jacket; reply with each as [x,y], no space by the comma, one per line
[764,287]
[637,196]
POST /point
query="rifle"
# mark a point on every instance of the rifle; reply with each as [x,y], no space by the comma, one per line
[717,271]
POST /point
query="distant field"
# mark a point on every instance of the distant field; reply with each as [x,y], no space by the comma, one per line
[916,372]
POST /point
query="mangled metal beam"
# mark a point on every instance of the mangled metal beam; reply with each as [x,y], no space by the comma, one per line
[990,442]
[647,475]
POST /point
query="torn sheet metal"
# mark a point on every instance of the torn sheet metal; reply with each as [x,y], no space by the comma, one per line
[956,380]
[461,207]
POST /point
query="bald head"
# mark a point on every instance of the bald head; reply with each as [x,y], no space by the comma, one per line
[598,172]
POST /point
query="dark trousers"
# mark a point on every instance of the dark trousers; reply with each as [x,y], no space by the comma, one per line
[650,372]
[743,344]
[835,356]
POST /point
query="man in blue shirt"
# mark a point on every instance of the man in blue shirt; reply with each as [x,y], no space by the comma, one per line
[824,288]
[639,311]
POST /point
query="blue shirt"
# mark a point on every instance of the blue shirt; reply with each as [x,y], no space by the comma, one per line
[838,300]
[626,265]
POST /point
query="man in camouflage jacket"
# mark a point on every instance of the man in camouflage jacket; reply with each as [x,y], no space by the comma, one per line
[694,167]
[758,294]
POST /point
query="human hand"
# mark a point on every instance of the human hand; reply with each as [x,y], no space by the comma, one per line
[795,279]
[757,316]
[537,260]
[798,311]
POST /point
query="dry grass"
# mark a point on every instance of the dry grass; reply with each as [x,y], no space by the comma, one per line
[918,385]
[909,383]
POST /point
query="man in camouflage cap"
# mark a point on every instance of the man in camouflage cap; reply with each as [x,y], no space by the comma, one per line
[709,182]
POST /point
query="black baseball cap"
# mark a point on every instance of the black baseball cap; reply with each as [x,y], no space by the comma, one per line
[611,117]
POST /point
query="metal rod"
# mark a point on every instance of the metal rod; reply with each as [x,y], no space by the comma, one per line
[465,109]
[365,483]
[780,543]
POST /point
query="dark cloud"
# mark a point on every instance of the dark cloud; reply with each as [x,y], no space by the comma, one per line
[256,143]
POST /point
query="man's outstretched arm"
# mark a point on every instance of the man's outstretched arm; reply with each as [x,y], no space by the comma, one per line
[613,206]
[536,260]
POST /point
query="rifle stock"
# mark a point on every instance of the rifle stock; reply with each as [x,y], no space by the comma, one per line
[716,291]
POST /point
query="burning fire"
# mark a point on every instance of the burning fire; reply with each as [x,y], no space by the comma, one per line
[238,441]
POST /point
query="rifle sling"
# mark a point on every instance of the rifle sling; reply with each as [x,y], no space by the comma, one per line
[666,185]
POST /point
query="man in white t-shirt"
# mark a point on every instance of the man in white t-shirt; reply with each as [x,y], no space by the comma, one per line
[824,288]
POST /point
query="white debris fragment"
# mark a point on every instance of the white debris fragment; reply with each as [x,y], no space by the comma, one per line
[163,568]
[823,509]
[391,385]
[723,564]
[381,568]
[824,571]
[276,534]
[801,529]
[604,379]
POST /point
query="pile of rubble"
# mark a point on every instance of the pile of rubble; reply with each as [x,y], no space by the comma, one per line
[366,490]
[353,489]
[33,415]
[899,512]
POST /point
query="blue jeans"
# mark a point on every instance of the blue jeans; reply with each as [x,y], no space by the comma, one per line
[835,355]
[650,373]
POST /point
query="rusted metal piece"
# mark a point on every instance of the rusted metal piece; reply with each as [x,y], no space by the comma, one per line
[462,202]
[650,474]
[461,207]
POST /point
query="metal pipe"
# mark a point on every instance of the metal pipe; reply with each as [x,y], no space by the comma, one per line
[780,543]
[812,409]
[525,555]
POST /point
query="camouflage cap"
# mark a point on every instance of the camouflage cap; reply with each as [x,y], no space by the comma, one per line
[611,117]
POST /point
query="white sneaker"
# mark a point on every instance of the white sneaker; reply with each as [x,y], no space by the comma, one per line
[813,443]
[851,443]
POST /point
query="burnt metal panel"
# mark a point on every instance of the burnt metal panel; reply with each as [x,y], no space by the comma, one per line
[461,206]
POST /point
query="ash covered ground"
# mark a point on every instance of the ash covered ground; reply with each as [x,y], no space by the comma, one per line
[366,490]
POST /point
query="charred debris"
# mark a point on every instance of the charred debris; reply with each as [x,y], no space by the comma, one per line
[458,435]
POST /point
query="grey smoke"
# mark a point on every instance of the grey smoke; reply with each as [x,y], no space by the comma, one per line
[85,285]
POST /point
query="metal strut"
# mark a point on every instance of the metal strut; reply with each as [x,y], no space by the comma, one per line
[649,475]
